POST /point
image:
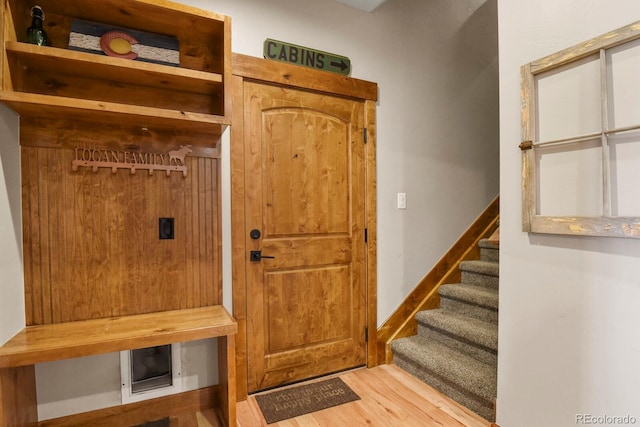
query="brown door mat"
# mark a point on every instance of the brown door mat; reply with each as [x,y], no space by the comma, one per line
[295,401]
[164,422]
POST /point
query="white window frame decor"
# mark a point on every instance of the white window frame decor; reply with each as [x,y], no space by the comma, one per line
[607,224]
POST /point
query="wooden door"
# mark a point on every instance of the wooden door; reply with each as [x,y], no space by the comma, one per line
[305,196]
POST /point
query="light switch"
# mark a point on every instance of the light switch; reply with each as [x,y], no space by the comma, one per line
[402,200]
[166,228]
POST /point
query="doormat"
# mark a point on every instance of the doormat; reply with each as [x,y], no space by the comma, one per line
[164,422]
[292,402]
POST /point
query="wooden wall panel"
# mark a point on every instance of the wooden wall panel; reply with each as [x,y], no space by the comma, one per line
[91,245]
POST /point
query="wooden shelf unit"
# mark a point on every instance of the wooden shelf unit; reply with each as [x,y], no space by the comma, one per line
[66,98]
[53,81]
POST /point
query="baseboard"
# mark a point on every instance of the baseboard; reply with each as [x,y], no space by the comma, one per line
[402,322]
[141,412]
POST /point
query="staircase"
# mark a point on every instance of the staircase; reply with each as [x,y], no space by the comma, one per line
[456,348]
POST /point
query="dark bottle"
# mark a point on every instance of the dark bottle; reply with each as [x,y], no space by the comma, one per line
[35,33]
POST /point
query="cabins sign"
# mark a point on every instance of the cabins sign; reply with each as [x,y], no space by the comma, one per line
[307,57]
[95,158]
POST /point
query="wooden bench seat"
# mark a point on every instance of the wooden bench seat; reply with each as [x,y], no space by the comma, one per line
[43,343]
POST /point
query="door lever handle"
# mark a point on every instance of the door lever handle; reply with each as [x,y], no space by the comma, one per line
[257,256]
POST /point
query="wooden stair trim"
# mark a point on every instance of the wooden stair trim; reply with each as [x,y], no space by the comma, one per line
[495,237]
[43,343]
[402,322]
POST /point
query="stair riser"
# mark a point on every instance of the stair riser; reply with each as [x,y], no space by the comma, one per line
[479,352]
[465,398]
[492,255]
[467,309]
[472,278]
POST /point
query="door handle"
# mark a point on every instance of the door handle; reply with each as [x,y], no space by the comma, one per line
[257,256]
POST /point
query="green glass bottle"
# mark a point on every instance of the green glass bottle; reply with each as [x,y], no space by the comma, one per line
[35,33]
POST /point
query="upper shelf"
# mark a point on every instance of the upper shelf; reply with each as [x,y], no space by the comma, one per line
[147,118]
[50,59]
[55,82]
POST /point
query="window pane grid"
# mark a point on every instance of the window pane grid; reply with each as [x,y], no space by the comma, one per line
[550,130]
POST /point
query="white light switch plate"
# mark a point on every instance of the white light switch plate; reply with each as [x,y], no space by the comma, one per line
[402,200]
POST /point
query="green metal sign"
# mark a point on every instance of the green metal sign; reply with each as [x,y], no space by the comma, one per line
[300,55]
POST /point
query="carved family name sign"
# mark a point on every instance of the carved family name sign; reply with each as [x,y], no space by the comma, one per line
[94,158]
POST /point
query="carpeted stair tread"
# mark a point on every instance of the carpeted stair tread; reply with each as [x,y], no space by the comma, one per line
[464,372]
[488,244]
[487,268]
[471,294]
[471,330]
[456,346]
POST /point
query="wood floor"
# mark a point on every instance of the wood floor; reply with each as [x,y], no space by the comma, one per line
[389,398]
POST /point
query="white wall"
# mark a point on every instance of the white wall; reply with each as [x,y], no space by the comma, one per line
[569,340]
[12,315]
[435,62]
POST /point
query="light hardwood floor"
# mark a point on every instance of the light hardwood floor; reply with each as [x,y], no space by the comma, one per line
[389,398]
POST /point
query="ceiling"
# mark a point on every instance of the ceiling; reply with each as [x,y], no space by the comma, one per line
[366,5]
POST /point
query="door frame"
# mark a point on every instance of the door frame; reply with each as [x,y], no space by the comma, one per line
[277,73]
